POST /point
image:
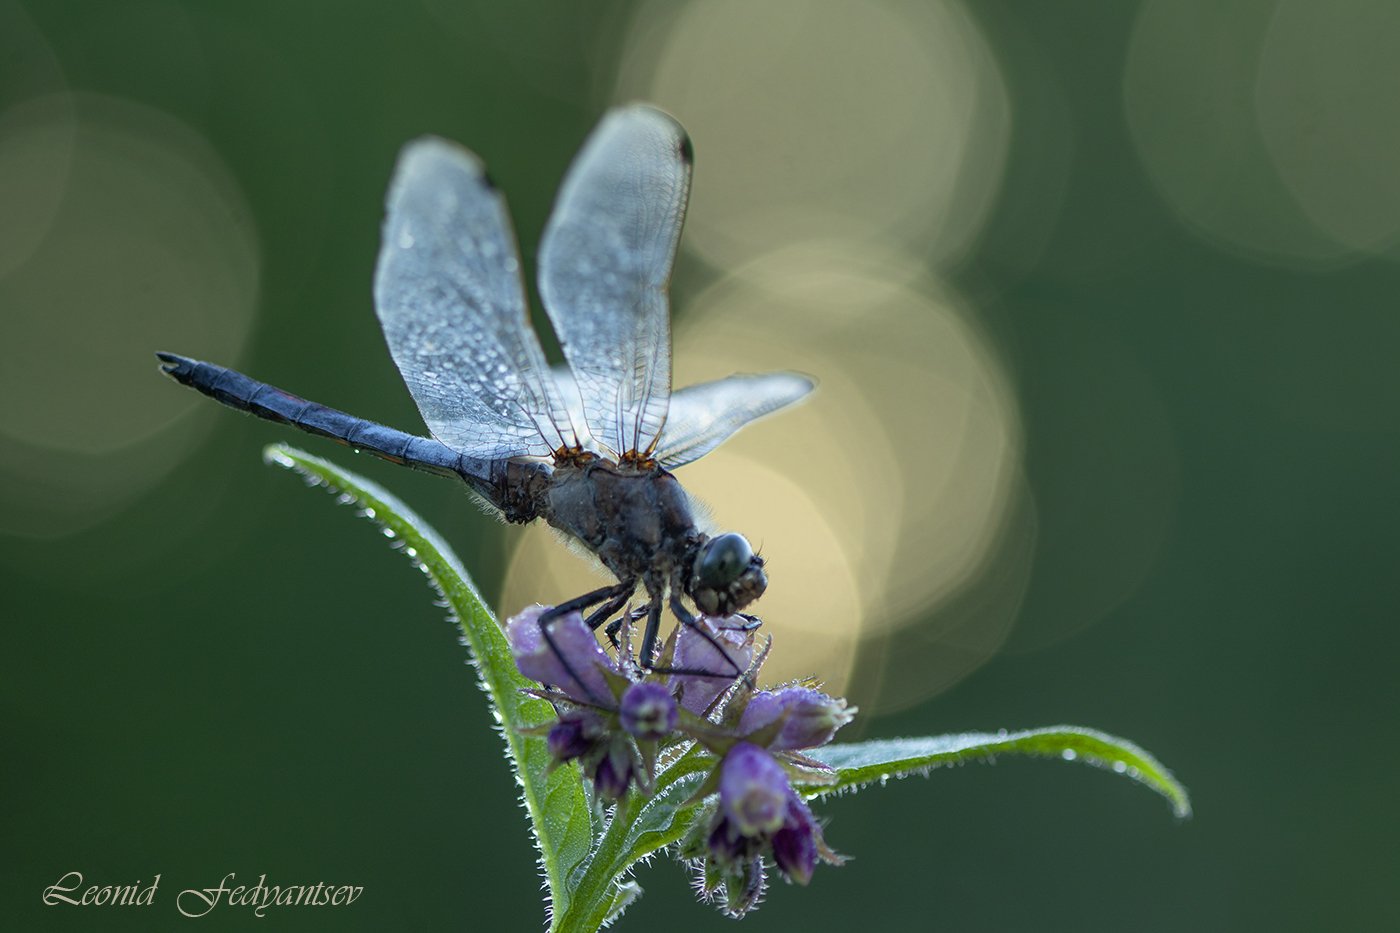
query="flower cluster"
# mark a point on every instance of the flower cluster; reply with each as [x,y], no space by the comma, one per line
[615,717]
[609,722]
[756,811]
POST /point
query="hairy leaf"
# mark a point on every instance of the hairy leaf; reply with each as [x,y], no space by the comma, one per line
[559,811]
[862,763]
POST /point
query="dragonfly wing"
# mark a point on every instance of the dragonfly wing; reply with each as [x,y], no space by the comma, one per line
[605,265]
[703,416]
[573,402]
[452,304]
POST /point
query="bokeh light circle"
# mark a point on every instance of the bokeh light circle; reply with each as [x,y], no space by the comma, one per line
[151,247]
[1329,112]
[1189,92]
[32,178]
[827,119]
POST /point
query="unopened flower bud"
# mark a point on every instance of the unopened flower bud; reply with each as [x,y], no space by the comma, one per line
[648,711]
[574,662]
[721,651]
[614,772]
[571,737]
[753,790]
[795,844]
[809,717]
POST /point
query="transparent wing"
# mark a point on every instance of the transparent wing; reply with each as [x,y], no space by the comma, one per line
[605,264]
[452,305]
[703,416]
[567,388]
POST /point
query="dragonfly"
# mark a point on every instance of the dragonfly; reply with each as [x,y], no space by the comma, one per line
[587,447]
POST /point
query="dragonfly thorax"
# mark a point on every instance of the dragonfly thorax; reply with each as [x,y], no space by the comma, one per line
[640,524]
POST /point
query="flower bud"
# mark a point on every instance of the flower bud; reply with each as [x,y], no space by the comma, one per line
[614,772]
[809,717]
[648,711]
[574,663]
[572,736]
[727,651]
[753,790]
[795,844]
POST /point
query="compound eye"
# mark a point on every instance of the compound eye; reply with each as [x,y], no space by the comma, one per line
[725,558]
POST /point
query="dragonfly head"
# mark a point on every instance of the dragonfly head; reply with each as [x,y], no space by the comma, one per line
[727,575]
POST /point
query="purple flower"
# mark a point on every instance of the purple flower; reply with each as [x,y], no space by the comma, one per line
[614,769]
[797,843]
[574,663]
[808,717]
[758,814]
[574,735]
[648,711]
[724,647]
[612,723]
[753,790]
[615,719]
[607,757]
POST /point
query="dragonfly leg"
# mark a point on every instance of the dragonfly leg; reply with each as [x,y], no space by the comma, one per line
[615,626]
[647,655]
[600,615]
[621,591]
[691,622]
[592,598]
[750,623]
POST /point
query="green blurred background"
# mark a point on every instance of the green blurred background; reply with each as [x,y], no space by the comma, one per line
[1103,300]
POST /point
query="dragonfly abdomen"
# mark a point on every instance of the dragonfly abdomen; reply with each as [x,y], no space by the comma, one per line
[244,393]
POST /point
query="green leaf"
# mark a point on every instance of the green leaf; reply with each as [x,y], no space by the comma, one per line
[639,828]
[626,893]
[558,808]
[862,763]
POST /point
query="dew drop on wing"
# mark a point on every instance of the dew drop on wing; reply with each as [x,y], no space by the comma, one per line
[1069,754]
[1120,767]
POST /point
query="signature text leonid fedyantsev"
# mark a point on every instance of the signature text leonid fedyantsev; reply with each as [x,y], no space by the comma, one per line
[196,902]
